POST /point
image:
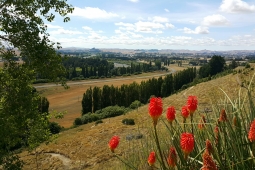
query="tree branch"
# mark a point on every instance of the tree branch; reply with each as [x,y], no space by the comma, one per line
[4,38]
[3,4]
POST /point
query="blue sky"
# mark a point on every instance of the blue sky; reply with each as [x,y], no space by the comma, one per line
[162,24]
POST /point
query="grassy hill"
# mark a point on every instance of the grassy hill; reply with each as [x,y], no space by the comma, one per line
[86,147]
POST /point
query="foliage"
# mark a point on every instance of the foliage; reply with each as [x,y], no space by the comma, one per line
[216,65]
[22,23]
[54,127]
[128,121]
[78,121]
[96,98]
[135,104]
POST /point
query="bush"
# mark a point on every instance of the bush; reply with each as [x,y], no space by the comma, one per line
[111,111]
[90,117]
[54,127]
[135,104]
[77,121]
[128,121]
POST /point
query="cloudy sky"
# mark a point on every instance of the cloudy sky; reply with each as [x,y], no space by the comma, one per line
[158,24]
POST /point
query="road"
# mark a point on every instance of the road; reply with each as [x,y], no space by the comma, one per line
[103,80]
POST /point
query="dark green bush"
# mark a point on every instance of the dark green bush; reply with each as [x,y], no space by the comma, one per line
[77,121]
[111,111]
[87,118]
[135,104]
[128,121]
[54,127]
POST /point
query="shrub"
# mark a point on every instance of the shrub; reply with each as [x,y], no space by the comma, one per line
[54,127]
[77,121]
[135,104]
[128,121]
[90,117]
[111,111]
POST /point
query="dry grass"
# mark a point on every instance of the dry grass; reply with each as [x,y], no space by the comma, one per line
[70,100]
[86,146]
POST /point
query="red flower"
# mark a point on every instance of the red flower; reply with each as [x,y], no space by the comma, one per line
[187,143]
[152,159]
[223,116]
[155,109]
[172,157]
[208,146]
[113,143]
[251,135]
[202,122]
[208,163]
[170,114]
[192,104]
[185,112]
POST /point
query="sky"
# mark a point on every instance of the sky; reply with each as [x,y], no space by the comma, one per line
[158,24]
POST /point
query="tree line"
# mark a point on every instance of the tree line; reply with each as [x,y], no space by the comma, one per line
[100,68]
[98,98]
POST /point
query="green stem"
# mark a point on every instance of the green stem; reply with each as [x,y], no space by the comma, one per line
[191,120]
[130,166]
[159,149]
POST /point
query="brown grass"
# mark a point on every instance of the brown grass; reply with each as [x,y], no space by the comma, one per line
[70,100]
[86,146]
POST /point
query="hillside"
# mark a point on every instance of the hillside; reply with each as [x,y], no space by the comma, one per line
[86,147]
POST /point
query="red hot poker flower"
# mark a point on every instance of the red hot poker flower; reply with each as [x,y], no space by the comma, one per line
[208,163]
[208,146]
[155,109]
[170,114]
[152,158]
[202,122]
[113,143]
[185,112]
[223,116]
[172,157]
[187,143]
[192,104]
[251,135]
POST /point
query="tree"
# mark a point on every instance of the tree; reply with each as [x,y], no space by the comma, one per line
[23,29]
[217,64]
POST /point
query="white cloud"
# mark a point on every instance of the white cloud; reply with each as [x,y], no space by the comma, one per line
[140,26]
[166,10]
[143,25]
[236,6]
[168,25]
[133,0]
[215,20]
[149,27]
[53,26]
[198,30]
[159,19]
[87,28]
[93,13]
[63,31]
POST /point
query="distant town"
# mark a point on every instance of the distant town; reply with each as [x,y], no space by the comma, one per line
[86,52]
